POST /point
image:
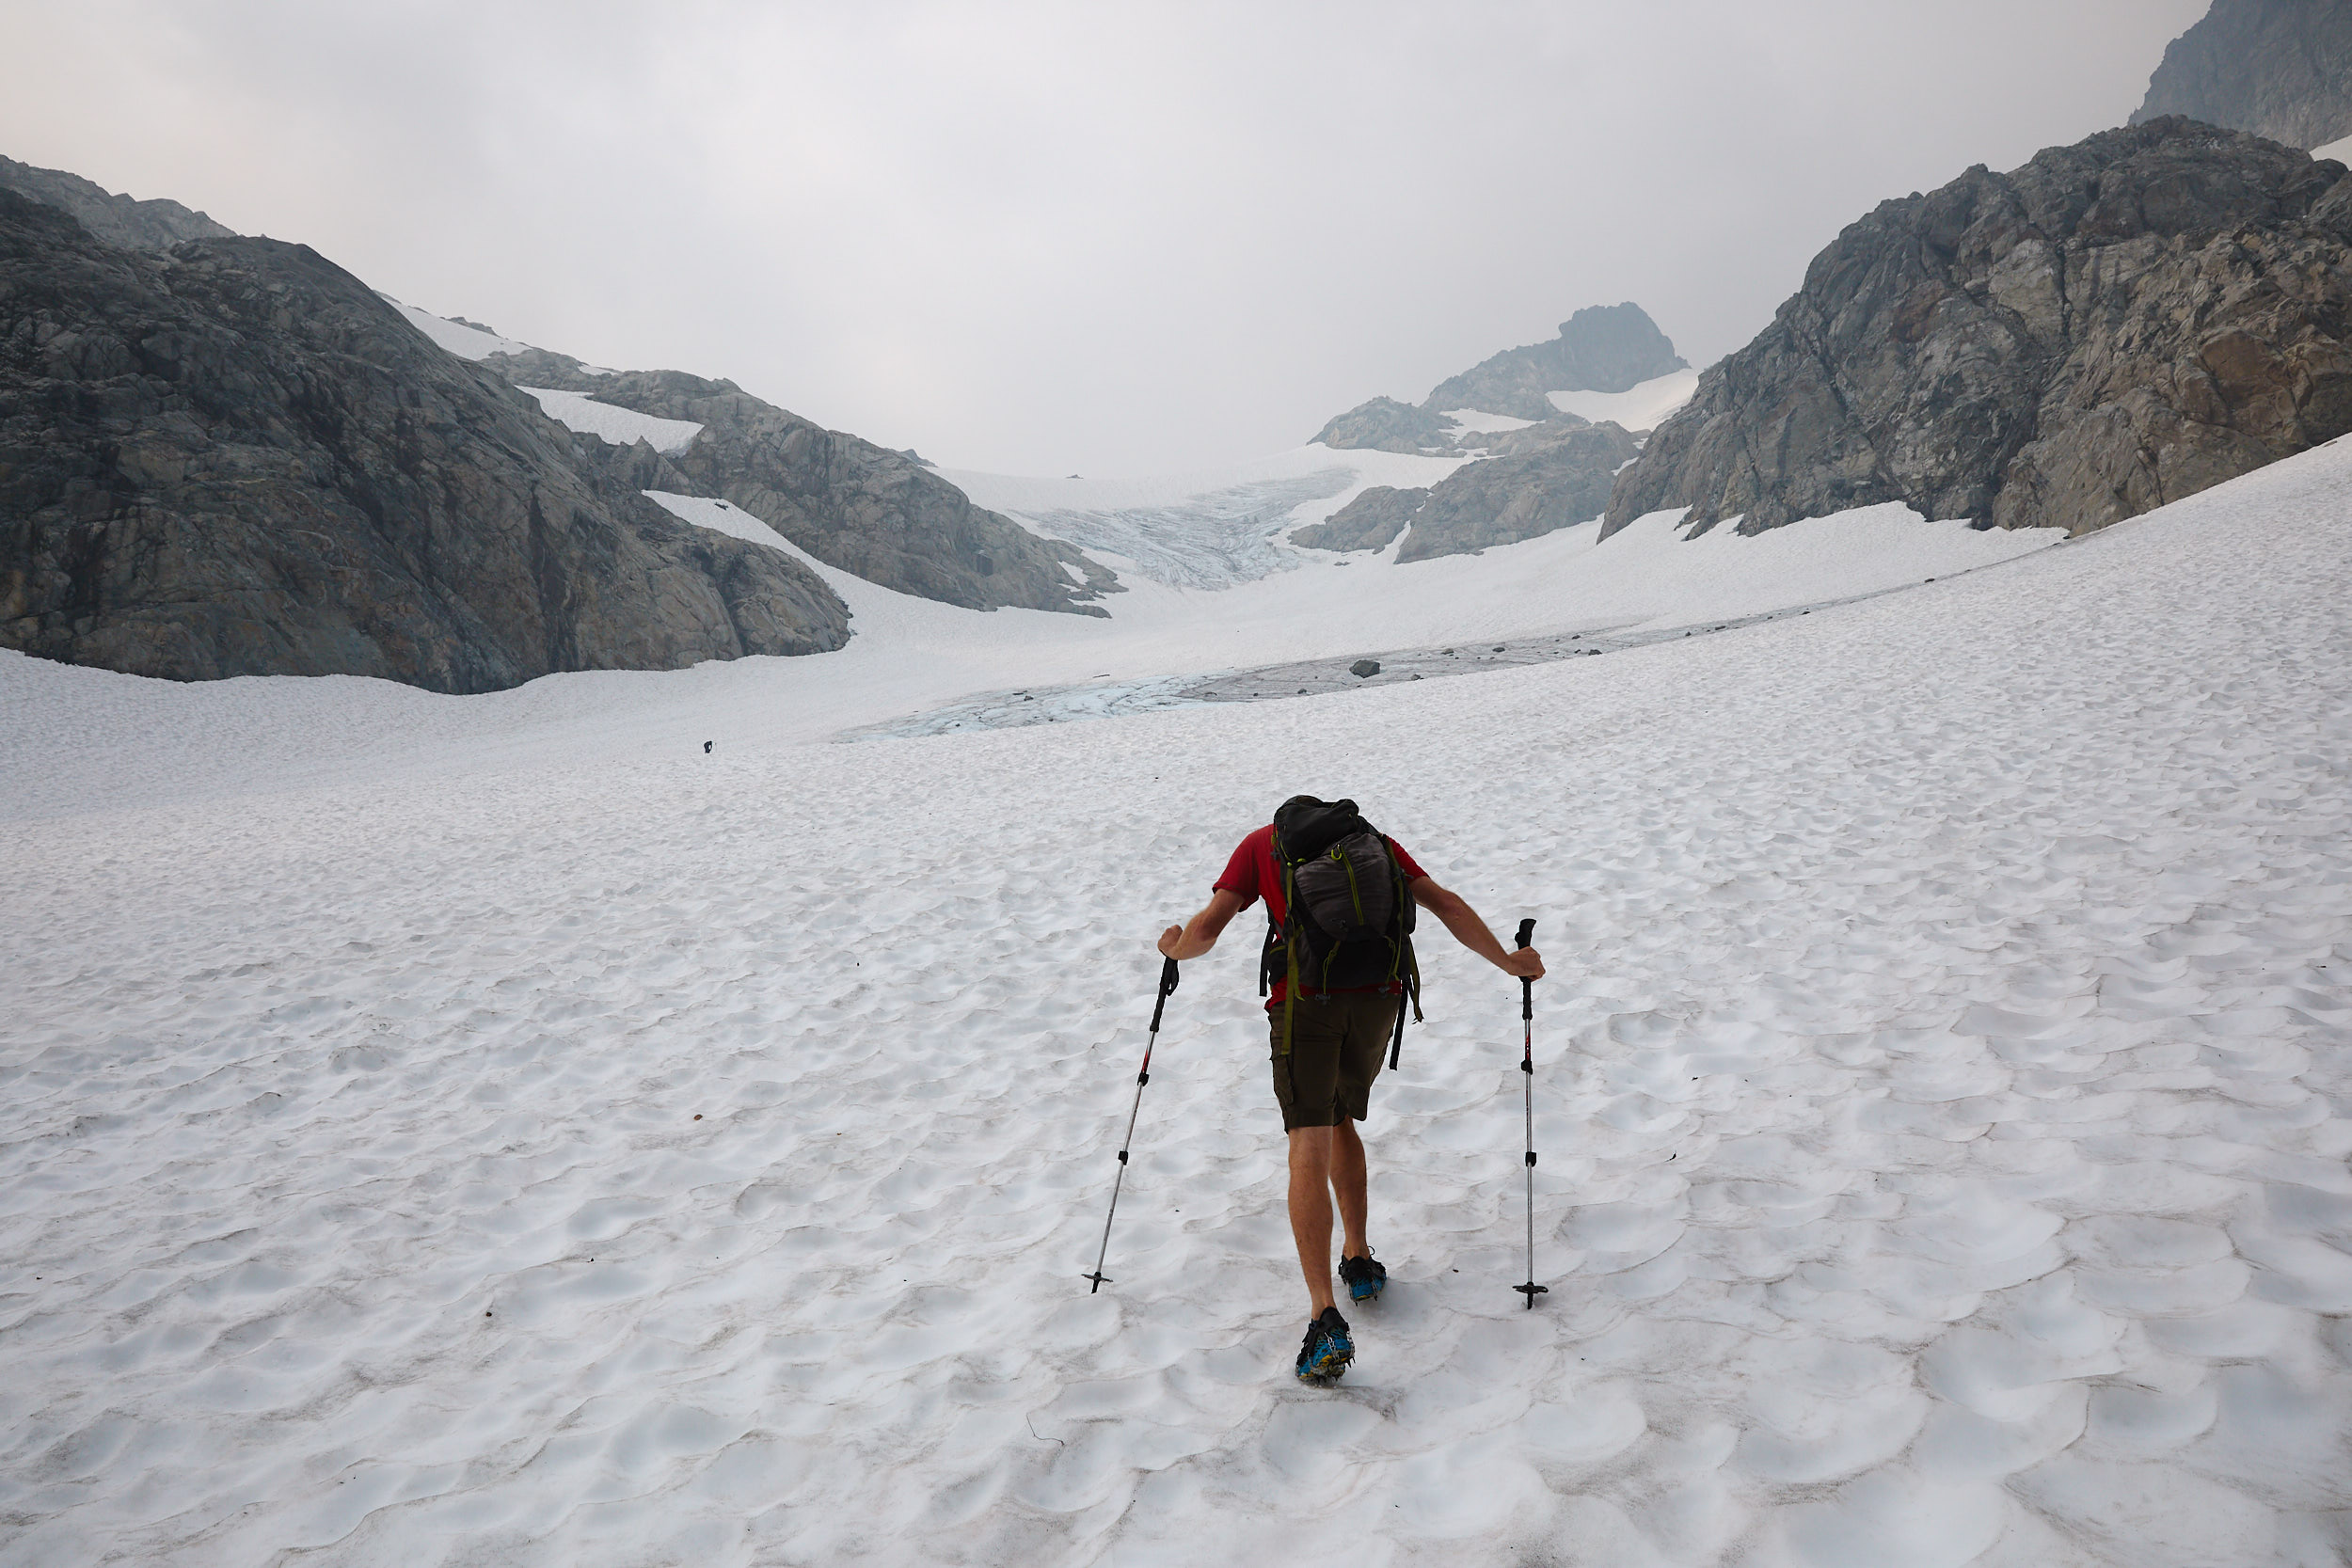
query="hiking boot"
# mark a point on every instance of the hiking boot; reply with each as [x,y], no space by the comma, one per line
[1363,1276]
[1322,1359]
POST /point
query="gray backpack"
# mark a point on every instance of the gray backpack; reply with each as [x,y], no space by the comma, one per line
[1347,915]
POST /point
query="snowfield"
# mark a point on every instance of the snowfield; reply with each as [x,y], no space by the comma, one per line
[467,342]
[495,1130]
[1643,406]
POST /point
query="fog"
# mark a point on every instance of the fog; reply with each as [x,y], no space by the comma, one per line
[1066,238]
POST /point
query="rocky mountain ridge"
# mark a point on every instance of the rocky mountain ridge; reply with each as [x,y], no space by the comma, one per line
[234,458]
[2114,325]
[227,456]
[2281,68]
[120,220]
[1541,478]
[1552,471]
[881,515]
[1602,348]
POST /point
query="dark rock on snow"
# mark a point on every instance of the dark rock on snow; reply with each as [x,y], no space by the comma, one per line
[1602,348]
[1367,523]
[1540,488]
[2117,325]
[1364,669]
[234,458]
[1385,424]
[2281,68]
[155,224]
[881,515]
[1557,475]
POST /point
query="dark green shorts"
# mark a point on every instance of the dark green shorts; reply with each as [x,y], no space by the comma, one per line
[1336,1045]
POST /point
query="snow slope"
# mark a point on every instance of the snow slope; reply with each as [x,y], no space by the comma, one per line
[621,426]
[1642,407]
[493,1130]
[85,738]
[2340,151]
[467,342]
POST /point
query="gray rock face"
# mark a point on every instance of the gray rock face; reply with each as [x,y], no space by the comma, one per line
[1602,348]
[114,219]
[1500,501]
[1385,424]
[882,514]
[2281,68]
[234,458]
[1367,523]
[1554,477]
[2117,325]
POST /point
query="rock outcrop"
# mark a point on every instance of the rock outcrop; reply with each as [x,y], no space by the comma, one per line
[2114,325]
[118,220]
[1369,522]
[1540,488]
[1553,476]
[882,514]
[2282,68]
[1602,348]
[1385,424]
[235,458]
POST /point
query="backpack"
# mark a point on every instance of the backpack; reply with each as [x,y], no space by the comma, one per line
[1347,916]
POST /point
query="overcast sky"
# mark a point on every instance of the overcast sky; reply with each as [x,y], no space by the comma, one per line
[1100,238]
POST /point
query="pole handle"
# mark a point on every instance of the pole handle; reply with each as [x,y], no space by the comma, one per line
[1527,988]
[1167,984]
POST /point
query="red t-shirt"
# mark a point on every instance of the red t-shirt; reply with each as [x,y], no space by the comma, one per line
[1252,874]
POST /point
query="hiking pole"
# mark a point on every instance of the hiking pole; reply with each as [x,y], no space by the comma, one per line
[1526,1066]
[1168,983]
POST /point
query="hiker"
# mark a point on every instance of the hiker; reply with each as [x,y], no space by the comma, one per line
[1337,971]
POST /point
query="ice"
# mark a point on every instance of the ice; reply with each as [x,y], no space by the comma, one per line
[1640,408]
[494,1129]
[2340,151]
[621,426]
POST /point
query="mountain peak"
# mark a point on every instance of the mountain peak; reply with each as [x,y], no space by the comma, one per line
[1602,348]
[2282,68]
[117,220]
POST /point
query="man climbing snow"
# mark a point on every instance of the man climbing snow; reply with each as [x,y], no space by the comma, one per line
[1338,969]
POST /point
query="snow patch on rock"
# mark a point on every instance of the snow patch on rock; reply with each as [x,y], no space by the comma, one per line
[1642,407]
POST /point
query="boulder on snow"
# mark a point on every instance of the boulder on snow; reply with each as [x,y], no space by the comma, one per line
[1363,669]
[2117,325]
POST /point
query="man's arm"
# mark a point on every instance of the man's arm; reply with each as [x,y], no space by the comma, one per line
[1470,931]
[1190,940]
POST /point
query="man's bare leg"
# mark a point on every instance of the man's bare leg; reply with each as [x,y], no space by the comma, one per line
[1312,1179]
[1347,1185]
